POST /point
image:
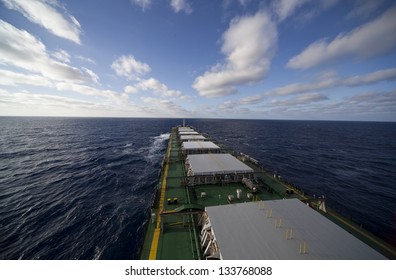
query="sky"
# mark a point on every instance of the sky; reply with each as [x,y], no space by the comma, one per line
[240,59]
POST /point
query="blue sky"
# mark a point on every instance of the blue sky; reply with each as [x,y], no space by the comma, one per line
[286,59]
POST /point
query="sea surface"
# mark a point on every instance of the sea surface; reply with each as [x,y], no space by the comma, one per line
[80,188]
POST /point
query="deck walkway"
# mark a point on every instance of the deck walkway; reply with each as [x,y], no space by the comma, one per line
[171,237]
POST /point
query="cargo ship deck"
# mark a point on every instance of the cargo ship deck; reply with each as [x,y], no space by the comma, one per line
[187,194]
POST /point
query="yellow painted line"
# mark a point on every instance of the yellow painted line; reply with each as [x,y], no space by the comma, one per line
[365,235]
[154,245]
[219,164]
[354,228]
[169,212]
[289,188]
[154,242]
[162,196]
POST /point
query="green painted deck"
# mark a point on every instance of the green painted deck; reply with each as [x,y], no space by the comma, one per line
[174,235]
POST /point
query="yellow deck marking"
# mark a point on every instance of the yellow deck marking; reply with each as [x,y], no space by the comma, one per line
[154,242]
[364,234]
[219,164]
[154,245]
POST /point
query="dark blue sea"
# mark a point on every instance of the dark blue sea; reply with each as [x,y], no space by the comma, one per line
[80,188]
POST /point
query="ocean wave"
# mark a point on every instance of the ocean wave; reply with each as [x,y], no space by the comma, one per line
[158,144]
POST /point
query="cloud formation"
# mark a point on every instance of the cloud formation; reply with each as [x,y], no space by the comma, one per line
[166,107]
[155,86]
[10,78]
[46,14]
[324,83]
[364,8]
[62,56]
[32,100]
[252,99]
[21,49]
[370,78]
[368,40]
[176,5]
[109,95]
[129,67]
[300,100]
[158,87]
[86,59]
[354,81]
[181,5]
[244,2]
[33,104]
[144,4]
[91,74]
[285,8]
[248,45]
[377,104]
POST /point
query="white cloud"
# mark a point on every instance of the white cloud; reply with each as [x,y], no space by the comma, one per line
[227,105]
[152,84]
[86,90]
[252,99]
[30,100]
[21,49]
[91,74]
[326,81]
[177,5]
[144,4]
[314,9]
[165,107]
[10,78]
[244,2]
[129,67]
[228,108]
[62,56]
[131,90]
[285,8]
[158,87]
[373,38]
[155,86]
[355,81]
[371,78]
[46,14]
[110,97]
[369,105]
[248,45]
[374,101]
[303,87]
[364,8]
[300,100]
[33,104]
[86,59]
[181,5]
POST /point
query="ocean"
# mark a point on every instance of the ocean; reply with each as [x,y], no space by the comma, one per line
[80,188]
